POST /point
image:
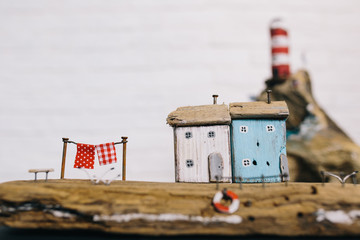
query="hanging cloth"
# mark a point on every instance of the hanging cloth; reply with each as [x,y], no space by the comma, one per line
[106,153]
[85,156]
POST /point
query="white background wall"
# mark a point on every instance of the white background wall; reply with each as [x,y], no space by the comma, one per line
[97,70]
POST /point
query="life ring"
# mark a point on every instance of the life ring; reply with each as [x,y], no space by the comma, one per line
[235,202]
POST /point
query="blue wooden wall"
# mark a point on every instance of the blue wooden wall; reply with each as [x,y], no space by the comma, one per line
[256,148]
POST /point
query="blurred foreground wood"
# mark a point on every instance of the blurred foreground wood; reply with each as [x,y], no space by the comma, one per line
[149,208]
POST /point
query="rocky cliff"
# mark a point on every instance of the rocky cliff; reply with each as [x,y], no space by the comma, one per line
[315,142]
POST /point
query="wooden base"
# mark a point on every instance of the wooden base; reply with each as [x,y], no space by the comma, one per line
[149,208]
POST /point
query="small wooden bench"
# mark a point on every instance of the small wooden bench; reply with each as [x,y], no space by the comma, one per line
[36,171]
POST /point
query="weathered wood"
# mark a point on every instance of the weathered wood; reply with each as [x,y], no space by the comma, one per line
[181,208]
[200,115]
[45,170]
[192,152]
[124,141]
[259,110]
[284,167]
[65,140]
[256,148]
[41,170]
[216,166]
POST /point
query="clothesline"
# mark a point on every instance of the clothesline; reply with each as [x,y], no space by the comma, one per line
[106,155]
[114,142]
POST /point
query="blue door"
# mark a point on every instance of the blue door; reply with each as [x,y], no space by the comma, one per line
[256,149]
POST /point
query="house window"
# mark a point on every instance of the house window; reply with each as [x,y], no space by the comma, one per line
[270,128]
[211,134]
[188,135]
[189,163]
[246,162]
[243,129]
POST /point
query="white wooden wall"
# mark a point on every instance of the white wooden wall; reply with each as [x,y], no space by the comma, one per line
[96,70]
[198,148]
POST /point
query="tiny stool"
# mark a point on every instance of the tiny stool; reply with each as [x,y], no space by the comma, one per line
[36,171]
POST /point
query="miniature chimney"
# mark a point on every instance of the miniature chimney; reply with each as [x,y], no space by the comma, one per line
[268,96]
[279,49]
[215,98]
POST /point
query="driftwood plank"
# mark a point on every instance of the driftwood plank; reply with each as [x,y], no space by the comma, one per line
[200,115]
[259,110]
[180,208]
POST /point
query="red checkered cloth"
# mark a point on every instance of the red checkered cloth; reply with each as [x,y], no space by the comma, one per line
[85,156]
[106,153]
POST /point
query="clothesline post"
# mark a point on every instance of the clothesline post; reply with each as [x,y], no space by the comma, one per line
[124,141]
[65,140]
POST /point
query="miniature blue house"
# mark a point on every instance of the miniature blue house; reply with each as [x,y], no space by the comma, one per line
[258,141]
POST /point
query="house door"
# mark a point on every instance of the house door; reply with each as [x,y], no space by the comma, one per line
[216,166]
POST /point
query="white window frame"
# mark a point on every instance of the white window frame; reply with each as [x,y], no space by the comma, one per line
[212,133]
[270,128]
[190,135]
[246,162]
[189,163]
[243,129]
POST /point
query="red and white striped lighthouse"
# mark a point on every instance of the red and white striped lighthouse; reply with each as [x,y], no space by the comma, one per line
[279,49]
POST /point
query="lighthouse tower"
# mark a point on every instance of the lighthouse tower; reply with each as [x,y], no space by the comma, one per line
[279,50]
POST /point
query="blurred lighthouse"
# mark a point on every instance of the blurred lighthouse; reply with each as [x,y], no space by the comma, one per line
[279,49]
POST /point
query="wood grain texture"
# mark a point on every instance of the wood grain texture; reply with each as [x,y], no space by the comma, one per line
[260,146]
[181,208]
[200,115]
[260,110]
[198,148]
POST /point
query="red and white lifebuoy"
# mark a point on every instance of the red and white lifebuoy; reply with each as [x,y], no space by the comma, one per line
[279,49]
[235,202]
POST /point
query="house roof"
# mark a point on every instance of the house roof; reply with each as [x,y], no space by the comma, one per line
[260,110]
[200,116]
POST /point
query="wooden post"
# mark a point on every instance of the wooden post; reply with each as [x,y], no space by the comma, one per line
[215,98]
[268,92]
[65,140]
[124,141]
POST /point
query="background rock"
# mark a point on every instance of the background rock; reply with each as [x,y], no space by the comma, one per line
[315,142]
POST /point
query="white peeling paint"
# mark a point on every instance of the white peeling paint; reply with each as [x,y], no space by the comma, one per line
[354,214]
[198,148]
[337,216]
[166,217]
[61,214]
[8,209]
[26,207]
[50,206]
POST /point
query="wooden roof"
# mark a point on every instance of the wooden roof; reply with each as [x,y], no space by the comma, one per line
[260,110]
[200,116]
